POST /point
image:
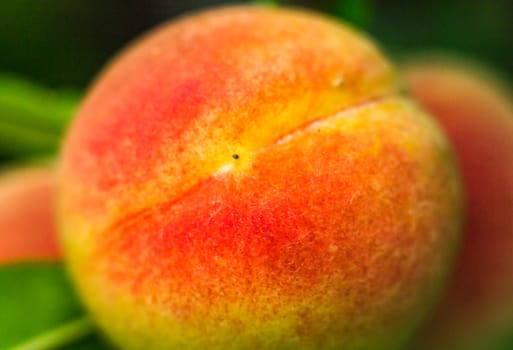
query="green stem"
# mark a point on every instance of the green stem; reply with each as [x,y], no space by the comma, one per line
[58,337]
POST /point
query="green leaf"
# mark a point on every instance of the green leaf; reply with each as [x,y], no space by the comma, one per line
[93,342]
[32,118]
[357,12]
[273,3]
[40,311]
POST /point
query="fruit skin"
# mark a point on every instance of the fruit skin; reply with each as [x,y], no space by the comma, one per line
[27,223]
[247,178]
[477,114]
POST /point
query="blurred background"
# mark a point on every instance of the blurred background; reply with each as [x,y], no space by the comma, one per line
[51,50]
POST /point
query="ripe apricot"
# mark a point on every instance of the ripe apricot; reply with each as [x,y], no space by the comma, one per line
[27,222]
[249,178]
[477,115]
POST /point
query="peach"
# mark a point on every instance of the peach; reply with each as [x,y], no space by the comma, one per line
[27,225]
[477,115]
[249,178]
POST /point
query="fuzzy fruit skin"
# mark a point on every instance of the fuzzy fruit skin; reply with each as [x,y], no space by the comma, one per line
[27,222]
[477,115]
[246,178]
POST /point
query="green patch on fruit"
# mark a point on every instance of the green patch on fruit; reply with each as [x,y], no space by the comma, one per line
[39,310]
